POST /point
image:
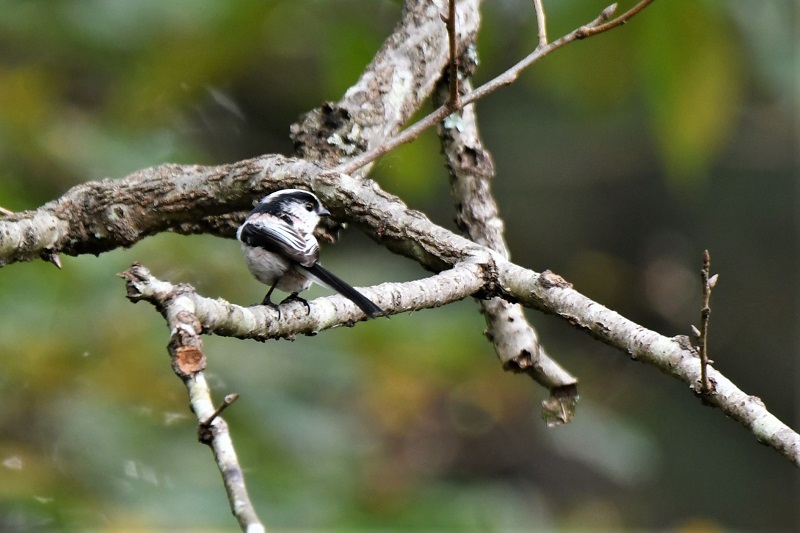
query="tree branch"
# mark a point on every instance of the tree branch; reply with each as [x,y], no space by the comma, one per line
[604,22]
[597,26]
[546,292]
[262,323]
[96,217]
[674,356]
[541,24]
[388,221]
[471,171]
[99,216]
[708,281]
[392,88]
[188,363]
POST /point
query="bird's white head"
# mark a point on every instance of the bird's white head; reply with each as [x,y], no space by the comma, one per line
[302,207]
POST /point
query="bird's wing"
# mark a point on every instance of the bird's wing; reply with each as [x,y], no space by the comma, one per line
[276,235]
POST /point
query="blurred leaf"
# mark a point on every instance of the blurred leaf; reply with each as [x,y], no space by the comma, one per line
[179,63]
[413,171]
[690,68]
[27,95]
[587,78]
[348,51]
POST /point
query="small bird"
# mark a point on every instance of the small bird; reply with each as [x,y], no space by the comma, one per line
[281,251]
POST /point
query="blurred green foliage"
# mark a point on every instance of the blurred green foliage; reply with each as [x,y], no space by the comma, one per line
[619,158]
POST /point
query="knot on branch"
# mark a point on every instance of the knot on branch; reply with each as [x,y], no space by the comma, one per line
[186,347]
[99,219]
[491,287]
[205,433]
[559,408]
[136,279]
[549,280]
[327,134]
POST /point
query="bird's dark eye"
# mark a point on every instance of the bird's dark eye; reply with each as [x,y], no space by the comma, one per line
[309,206]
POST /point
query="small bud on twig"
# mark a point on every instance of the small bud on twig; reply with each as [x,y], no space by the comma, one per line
[226,402]
[607,12]
[705,313]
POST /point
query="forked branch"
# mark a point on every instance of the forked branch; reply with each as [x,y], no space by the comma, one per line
[599,25]
[541,24]
[188,363]
[478,216]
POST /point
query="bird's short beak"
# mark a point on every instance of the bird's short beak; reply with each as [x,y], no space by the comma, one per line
[324,212]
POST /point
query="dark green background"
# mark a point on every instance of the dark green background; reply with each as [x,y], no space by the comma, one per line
[619,159]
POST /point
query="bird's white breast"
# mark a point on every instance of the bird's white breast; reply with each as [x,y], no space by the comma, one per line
[267,267]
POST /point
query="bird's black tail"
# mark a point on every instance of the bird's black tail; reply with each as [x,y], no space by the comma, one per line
[329,279]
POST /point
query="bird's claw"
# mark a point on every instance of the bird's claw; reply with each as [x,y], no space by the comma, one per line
[295,298]
[268,303]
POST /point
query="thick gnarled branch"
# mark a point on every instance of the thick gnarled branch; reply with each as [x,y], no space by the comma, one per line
[100,216]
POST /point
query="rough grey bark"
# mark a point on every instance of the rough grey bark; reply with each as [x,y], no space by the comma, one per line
[392,88]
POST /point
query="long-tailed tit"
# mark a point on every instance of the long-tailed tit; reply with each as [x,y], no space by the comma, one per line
[281,251]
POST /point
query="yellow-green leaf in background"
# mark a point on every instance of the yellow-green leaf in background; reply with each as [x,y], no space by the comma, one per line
[689,67]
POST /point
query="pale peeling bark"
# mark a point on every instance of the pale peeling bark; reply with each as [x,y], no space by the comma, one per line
[189,362]
[672,355]
[260,322]
[477,214]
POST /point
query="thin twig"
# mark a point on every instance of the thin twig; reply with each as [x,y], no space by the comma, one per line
[540,22]
[217,436]
[705,313]
[597,26]
[454,101]
[226,402]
